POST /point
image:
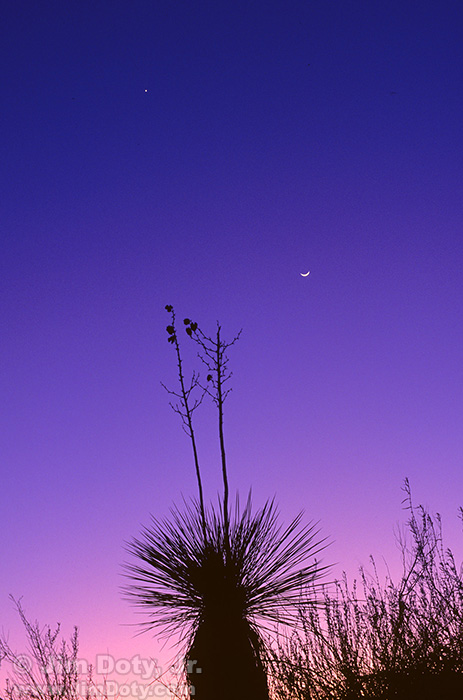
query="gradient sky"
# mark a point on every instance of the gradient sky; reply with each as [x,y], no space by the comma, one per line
[204,154]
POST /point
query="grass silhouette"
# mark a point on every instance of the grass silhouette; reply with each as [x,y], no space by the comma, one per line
[370,640]
[224,578]
[386,640]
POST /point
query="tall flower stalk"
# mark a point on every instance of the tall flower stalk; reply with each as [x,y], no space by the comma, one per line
[221,578]
[185,405]
[213,354]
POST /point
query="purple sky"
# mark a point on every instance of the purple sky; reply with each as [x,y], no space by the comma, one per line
[204,155]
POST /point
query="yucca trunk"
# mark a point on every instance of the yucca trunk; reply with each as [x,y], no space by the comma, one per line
[215,588]
[224,661]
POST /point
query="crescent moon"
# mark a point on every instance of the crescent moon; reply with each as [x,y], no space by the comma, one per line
[306,274]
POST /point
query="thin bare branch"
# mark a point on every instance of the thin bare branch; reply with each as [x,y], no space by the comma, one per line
[184,409]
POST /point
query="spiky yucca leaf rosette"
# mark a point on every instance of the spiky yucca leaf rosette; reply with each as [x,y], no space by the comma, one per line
[218,586]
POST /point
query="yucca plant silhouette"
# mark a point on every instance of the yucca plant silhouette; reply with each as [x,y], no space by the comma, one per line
[222,579]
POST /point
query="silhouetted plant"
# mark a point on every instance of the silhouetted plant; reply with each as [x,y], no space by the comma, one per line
[221,579]
[400,641]
[213,354]
[49,670]
[186,405]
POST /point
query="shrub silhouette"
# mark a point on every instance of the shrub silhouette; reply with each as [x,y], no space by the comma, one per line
[402,641]
[49,669]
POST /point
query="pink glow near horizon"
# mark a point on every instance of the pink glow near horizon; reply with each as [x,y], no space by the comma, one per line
[205,157]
